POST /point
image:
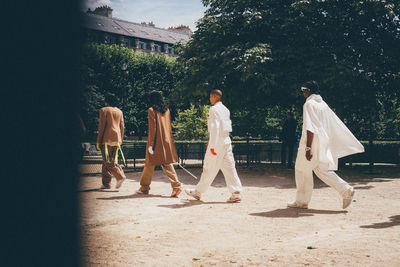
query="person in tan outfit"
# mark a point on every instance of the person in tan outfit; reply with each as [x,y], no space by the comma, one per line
[109,139]
[160,148]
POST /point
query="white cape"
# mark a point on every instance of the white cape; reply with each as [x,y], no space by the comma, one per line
[332,139]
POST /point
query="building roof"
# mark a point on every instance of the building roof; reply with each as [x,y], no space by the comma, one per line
[132,29]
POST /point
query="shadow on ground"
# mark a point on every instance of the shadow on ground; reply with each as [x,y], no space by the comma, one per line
[281,178]
[98,190]
[393,221]
[89,190]
[133,196]
[190,203]
[295,213]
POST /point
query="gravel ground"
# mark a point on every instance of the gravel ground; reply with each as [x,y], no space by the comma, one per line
[121,228]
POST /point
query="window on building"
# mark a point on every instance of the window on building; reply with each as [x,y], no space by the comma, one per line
[142,45]
[170,50]
[113,40]
[157,48]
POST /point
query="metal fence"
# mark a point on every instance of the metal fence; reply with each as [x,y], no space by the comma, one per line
[190,154]
[247,153]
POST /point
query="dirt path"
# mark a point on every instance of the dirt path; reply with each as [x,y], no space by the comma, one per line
[125,229]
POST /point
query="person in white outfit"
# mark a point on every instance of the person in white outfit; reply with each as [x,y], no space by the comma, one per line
[324,140]
[219,154]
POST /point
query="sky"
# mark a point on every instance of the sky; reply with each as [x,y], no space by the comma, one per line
[163,13]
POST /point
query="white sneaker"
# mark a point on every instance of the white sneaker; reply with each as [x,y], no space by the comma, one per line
[193,193]
[119,183]
[348,197]
[296,204]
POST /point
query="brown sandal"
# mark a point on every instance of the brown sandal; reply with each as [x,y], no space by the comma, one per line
[176,192]
[144,192]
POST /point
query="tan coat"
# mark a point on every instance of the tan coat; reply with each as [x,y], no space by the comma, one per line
[164,149]
[111,125]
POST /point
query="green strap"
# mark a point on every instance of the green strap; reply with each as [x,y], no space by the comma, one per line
[106,152]
[122,154]
[116,155]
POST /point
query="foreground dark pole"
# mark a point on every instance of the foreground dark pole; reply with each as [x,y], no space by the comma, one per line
[41,132]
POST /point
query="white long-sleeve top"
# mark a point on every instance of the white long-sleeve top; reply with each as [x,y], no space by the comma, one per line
[219,125]
[332,139]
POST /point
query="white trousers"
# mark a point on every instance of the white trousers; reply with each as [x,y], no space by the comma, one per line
[223,161]
[305,182]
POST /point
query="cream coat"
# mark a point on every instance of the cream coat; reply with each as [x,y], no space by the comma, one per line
[332,139]
[219,125]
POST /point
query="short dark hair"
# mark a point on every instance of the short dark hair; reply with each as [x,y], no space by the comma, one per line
[312,86]
[111,99]
[216,92]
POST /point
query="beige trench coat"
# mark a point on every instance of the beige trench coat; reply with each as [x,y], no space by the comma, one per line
[164,147]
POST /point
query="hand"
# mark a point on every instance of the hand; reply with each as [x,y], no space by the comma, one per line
[98,147]
[213,151]
[151,150]
[308,155]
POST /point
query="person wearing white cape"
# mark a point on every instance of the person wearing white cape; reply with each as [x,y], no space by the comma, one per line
[325,139]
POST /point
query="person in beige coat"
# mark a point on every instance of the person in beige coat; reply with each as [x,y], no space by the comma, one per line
[109,139]
[160,149]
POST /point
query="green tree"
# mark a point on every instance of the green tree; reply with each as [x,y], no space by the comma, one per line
[260,52]
[191,124]
[130,76]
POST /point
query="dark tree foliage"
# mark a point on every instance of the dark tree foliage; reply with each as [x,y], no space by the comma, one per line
[130,76]
[259,53]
